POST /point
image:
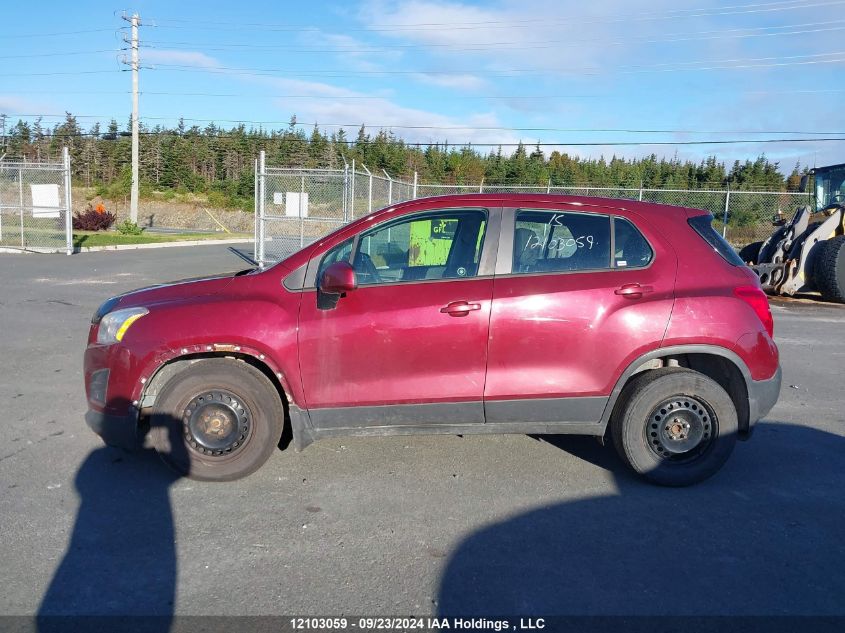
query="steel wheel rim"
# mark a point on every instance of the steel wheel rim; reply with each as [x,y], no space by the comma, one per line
[681,428]
[216,423]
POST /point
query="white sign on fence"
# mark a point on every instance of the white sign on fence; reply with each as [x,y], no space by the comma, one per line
[45,201]
[296,204]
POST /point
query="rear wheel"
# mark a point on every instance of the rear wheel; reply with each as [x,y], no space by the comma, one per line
[829,269]
[674,427]
[750,254]
[218,420]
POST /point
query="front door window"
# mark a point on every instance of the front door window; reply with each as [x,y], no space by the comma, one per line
[442,245]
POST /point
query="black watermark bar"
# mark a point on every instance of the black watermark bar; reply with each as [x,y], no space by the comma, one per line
[424,624]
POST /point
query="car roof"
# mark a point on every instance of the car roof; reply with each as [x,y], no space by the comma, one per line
[648,210]
[522,199]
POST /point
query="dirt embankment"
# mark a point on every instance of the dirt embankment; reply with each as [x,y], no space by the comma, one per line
[195,215]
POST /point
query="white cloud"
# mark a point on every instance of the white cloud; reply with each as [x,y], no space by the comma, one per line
[354,53]
[464,81]
[333,104]
[181,57]
[545,34]
[16,104]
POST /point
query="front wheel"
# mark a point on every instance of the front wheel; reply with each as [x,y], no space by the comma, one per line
[674,427]
[829,269]
[219,419]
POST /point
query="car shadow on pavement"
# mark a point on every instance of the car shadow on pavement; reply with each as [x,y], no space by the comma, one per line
[121,556]
[761,537]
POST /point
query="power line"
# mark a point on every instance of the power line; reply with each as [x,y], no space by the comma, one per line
[726,64]
[241,95]
[450,128]
[473,144]
[63,54]
[40,34]
[51,74]
[513,23]
[470,128]
[763,31]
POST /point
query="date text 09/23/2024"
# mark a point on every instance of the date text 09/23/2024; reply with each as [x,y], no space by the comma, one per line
[411,623]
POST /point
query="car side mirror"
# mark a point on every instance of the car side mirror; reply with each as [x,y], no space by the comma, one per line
[338,279]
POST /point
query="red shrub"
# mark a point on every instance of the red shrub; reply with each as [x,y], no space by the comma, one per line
[93,220]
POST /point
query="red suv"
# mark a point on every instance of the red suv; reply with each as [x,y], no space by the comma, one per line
[507,313]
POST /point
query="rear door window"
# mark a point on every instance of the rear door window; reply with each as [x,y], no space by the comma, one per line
[554,241]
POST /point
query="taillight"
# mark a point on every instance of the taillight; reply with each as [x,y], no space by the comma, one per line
[759,302]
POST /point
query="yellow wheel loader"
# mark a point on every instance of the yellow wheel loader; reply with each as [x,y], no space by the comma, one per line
[807,253]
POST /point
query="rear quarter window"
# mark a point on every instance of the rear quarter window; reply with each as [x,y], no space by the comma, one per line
[702,224]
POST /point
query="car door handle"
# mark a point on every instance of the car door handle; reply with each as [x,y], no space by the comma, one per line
[460,308]
[633,291]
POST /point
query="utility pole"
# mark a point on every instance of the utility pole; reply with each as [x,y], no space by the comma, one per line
[3,134]
[135,22]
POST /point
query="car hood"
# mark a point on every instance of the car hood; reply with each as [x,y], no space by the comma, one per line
[178,290]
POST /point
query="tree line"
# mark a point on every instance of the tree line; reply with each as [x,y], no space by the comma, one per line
[220,161]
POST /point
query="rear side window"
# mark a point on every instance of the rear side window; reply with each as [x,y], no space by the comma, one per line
[702,225]
[630,248]
[549,241]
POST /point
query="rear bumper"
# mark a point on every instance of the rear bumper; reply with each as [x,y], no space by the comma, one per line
[116,430]
[762,396]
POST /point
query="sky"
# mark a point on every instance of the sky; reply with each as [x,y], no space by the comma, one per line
[585,78]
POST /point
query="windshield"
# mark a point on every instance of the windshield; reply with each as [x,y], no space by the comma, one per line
[830,187]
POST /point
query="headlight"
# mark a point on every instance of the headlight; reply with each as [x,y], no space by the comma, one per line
[113,326]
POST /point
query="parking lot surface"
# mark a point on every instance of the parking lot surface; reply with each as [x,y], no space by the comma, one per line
[413,525]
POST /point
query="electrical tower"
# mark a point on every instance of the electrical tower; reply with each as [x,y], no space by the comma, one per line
[135,22]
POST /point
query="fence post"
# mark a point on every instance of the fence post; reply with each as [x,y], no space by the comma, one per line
[389,187]
[415,185]
[301,217]
[68,218]
[352,193]
[641,192]
[255,210]
[1,197]
[727,204]
[262,188]
[369,189]
[481,186]
[345,193]
[549,185]
[20,194]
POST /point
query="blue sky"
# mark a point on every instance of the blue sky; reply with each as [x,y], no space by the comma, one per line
[459,71]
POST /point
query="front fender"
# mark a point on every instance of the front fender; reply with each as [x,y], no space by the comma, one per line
[258,326]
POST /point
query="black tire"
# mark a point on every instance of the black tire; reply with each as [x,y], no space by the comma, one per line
[637,420]
[186,420]
[829,269]
[750,254]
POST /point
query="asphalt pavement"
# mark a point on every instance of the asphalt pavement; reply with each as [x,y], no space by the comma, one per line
[400,525]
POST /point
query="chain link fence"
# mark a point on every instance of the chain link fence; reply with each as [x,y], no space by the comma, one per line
[35,205]
[294,207]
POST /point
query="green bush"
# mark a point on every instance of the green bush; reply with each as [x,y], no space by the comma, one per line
[128,227]
[745,217]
